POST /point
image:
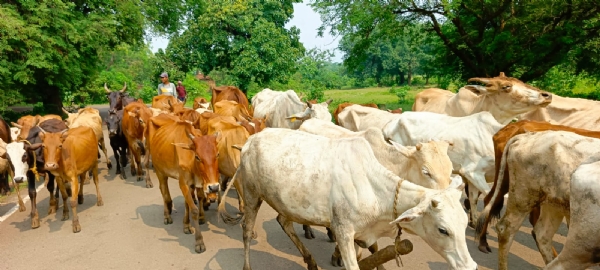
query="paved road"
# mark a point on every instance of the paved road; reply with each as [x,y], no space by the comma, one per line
[128,233]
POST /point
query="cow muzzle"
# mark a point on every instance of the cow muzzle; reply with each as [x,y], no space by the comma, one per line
[112,132]
[214,188]
[50,166]
[19,179]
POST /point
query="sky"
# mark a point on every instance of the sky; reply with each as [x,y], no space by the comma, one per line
[305,19]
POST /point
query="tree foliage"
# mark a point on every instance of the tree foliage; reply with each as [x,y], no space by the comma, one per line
[482,38]
[245,37]
[51,47]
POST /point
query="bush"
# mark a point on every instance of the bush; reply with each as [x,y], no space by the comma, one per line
[400,92]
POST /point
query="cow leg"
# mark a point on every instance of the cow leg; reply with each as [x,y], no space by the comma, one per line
[506,228]
[132,152]
[99,201]
[53,207]
[35,219]
[239,188]
[473,198]
[288,228]
[545,228]
[187,227]
[199,246]
[4,187]
[18,190]
[205,204]
[75,190]
[63,192]
[330,235]
[123,151]
[308,232]
[164,191]
[347,247]
[533,218]
[250,210]
[103,148]
[147,165]
[117,154]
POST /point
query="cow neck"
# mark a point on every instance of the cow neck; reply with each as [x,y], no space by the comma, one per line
[395,194]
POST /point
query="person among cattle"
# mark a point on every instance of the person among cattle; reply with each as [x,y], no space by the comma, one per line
[181,94]
[166,87]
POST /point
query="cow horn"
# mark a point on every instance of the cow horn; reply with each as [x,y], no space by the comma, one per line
[106,88]
[309,104]
[329,101]
[418,146]
[236,147]
[42,130]
[434,203]
[65,111]
[124,88]
[502,75]
[16,125]
[64,130]
[190,135]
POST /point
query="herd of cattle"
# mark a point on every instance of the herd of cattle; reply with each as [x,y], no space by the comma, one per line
[376,173]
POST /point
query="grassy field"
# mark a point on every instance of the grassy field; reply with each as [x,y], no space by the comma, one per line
[378,95]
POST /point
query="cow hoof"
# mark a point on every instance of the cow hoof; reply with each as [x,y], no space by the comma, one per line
[188,230]
[168,221]
[336,260]
[309,234]
[206,206]
[123,175]
[254,235]
[380,267]
[35,223]
[100,203]
[201,221]
[22,207]
[312,265]
[109,165]
[80,199]
[52,210]
[133,173]
[65,217]
[200,248]
[485,249]
[471,225]
[149,184]
[76,228]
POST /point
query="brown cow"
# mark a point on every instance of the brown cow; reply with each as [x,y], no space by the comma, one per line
[161,102]
[342,106]
[69,155]
[180,152]
[220,93]
[500,140]
[135,117]
[26,122]
[232,108]
[89,117]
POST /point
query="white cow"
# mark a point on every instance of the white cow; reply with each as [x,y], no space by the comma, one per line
[359,118]
[582,248]
[504,97]
[315,180]
[572,112]
[540,166]
[472,153]
[286,110]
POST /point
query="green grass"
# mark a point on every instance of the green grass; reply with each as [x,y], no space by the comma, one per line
[378,95]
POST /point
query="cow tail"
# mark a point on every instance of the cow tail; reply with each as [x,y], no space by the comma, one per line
[225,216]
[487,214]
[141,146]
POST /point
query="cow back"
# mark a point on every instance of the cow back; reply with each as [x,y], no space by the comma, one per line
[80,151]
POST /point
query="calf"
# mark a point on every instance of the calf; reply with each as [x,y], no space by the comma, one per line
[540,166]
[69,155]
[118,142]
[314,180]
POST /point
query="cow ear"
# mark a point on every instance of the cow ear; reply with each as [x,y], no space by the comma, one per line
[187,146]
[477,89]
[408,216]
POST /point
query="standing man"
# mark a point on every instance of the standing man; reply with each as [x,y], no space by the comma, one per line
[181,94]
[166,87]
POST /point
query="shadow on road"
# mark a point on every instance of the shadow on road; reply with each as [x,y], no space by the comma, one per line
[233,258]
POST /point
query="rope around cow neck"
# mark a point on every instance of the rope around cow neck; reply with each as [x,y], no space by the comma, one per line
[395,212]
[34,169]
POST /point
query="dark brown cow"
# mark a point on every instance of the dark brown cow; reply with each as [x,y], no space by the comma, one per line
[180,152]
[5,136]
[135,117]
[396,111]
[68,156]
[117,140]
[27,122]
[117,99]
[500,140]
[342,106]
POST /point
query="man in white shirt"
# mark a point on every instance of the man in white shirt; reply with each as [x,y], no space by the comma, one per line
[166,87]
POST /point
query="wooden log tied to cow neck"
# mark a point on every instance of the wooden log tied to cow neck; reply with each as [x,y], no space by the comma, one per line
[34,169]
[400,247]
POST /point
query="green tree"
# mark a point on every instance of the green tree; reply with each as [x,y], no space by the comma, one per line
[523,38]
[51,47]
[246,38]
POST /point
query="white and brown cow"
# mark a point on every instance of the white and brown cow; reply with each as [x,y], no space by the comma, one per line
[504,97]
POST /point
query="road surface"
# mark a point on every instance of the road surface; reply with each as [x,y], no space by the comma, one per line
[128,233]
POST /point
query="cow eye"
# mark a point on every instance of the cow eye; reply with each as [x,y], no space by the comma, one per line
[443,231]
[197,158]
[426,172]
[217,154]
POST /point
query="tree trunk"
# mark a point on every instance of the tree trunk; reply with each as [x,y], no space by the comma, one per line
[426,79]
[409,76]
[52,100]
[401,78]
